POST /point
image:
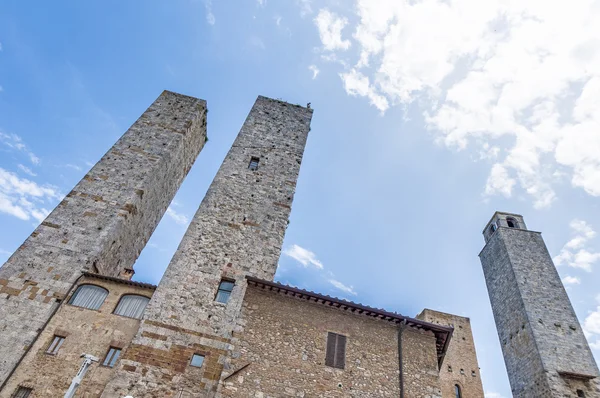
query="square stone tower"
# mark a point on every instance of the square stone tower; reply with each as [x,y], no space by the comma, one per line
[545,350]
[103,223]
[188,333]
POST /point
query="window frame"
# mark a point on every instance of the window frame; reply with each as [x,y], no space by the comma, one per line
[254,162]
[28,390]
[219,290]
[55,344]
[111,358]
[131,294]
[335,350]
[77,291]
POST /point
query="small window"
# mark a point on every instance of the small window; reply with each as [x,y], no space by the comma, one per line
[22,392]
[511,222]
[492,228]
[132,306]
[225,288]
[473,373]
[462,371]
[457,392]
[89,296]
[197,360]
[449,368]
[111,357]
[336,350]
[580,393]
[53,348]
[253,163]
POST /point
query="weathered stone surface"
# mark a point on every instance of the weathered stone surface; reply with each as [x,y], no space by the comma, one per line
[237,231]
[460,366]
[537,326]
[418,364]
[86,331]
[104,222]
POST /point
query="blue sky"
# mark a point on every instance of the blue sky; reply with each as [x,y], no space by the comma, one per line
[429,116]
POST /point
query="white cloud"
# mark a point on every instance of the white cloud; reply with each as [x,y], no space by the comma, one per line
[339,285]
[303,256]
[72,166]
[574,253]
[277,20]
[23,198]
[14,142]
[330,30]
[314,70]
[210,17]
[521,76]
[571,280]
[305,7]
[176,216]
[26,170]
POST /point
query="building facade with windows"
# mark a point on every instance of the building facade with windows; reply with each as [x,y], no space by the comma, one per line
[216,325]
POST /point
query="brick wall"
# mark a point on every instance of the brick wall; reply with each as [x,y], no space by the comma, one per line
[86,331]
[104,222]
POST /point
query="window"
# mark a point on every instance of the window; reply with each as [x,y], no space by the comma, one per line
[53,348]
[336,350]
[89,296]
[253,163]
[225,288]
[473,373]
[197,360]
[449,368]
[511,222]
[22,392]
[580,393]
[111,357]
[457,392]
[132,306]
[492,228]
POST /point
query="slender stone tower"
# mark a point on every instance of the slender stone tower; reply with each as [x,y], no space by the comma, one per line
[545,350]
[188,333]
[103,223]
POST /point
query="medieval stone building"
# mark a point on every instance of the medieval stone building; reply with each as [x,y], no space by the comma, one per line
[217,325]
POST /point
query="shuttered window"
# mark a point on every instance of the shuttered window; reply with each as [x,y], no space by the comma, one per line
[53,348]
[225,288]
[336,350]
[132,306]
[111,357]
[253,163]
[22,392]
[89,296]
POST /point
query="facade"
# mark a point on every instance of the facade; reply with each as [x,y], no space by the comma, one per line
[217,325]
[545,350]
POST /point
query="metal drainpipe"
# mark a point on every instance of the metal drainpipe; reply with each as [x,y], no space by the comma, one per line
[38,335]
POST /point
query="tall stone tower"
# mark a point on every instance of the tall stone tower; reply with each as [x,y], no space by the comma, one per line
[103,223]
[545,350]
[237,231]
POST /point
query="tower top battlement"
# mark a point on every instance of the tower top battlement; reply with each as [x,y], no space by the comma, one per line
[503,219]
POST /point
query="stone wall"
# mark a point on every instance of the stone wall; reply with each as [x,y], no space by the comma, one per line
[103,223]
[538,329]
[237,231]
[419,364]
[282,347]
[86,331]
[460,365]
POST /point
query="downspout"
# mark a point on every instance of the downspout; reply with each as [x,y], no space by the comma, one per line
[400,365]
[38,335]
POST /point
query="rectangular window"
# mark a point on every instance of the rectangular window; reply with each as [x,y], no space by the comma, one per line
[22,392]
[197,360]
[336,350]
[580,394]
[253,163]
[225,288]
[111,357]
[57,341]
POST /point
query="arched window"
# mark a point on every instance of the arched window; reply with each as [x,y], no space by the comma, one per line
[132,306]
[511,222]
[89,296]
[457,391]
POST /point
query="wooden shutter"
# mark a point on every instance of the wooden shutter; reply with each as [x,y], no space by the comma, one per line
[340,352]
[336,350]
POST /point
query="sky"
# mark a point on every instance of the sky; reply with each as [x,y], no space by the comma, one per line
[429,116]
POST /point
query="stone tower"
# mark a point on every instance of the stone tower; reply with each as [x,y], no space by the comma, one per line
[103,223]
[545,350]
[237,231]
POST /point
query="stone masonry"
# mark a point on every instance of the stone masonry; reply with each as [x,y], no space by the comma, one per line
[237,231]
[460,366]
[545,350]
[103,223]
[85,331]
